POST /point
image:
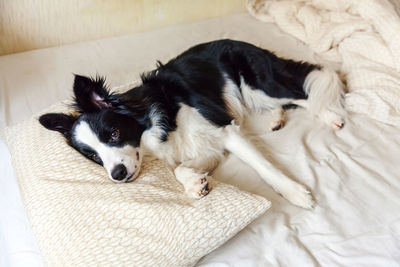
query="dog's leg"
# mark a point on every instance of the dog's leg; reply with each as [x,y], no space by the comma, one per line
[278,119]
[325,97]
[193,176]
[292,191]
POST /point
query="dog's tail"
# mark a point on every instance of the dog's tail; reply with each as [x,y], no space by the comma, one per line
[325,91]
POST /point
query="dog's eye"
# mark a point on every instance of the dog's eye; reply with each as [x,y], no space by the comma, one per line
[95,157]
[114,135]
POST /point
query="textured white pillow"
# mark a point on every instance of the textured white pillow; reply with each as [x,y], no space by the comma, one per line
[79,217]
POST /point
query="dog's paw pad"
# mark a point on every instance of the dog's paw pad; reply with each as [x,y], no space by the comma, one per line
[277,125]
[333,119]
[199,188]
[204,191]
[338,123]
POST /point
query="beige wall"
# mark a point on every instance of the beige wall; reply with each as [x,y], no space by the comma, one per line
[32,24]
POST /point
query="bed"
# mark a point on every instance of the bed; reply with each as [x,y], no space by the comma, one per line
[353,173]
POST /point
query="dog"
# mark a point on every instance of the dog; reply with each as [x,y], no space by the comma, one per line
[188,112]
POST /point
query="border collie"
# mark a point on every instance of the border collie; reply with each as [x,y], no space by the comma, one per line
[189,111]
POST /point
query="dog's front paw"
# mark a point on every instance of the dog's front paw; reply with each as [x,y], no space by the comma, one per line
[298,195]
[199,187]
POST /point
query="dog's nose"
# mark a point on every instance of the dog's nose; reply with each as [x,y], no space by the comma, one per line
[119,172]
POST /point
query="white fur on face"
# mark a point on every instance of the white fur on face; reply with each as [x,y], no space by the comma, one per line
[127,155]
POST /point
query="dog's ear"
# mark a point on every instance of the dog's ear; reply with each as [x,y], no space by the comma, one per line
[91,95]
[58,122]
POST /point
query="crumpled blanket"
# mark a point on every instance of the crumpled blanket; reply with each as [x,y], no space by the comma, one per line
[361,38]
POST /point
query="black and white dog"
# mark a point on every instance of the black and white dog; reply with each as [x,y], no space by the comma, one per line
[188,112]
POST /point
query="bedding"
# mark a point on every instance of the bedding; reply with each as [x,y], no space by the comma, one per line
[353,173]
[362,39]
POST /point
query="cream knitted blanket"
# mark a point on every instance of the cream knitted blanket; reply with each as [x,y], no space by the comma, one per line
[361,37]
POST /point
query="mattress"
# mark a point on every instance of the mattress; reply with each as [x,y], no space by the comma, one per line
[353,173]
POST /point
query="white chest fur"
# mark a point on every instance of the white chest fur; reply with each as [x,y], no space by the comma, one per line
[194,138]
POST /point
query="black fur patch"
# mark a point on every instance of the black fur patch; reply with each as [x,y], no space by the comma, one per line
[196,78]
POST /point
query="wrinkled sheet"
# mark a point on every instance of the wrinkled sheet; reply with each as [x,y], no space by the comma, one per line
[360,38]
[353,173]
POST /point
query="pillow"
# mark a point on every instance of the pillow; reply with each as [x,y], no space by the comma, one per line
[80,217]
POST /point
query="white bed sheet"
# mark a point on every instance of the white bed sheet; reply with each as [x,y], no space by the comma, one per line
[353,173]
[17,244]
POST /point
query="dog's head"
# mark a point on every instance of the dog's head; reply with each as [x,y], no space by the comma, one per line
[103,131]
